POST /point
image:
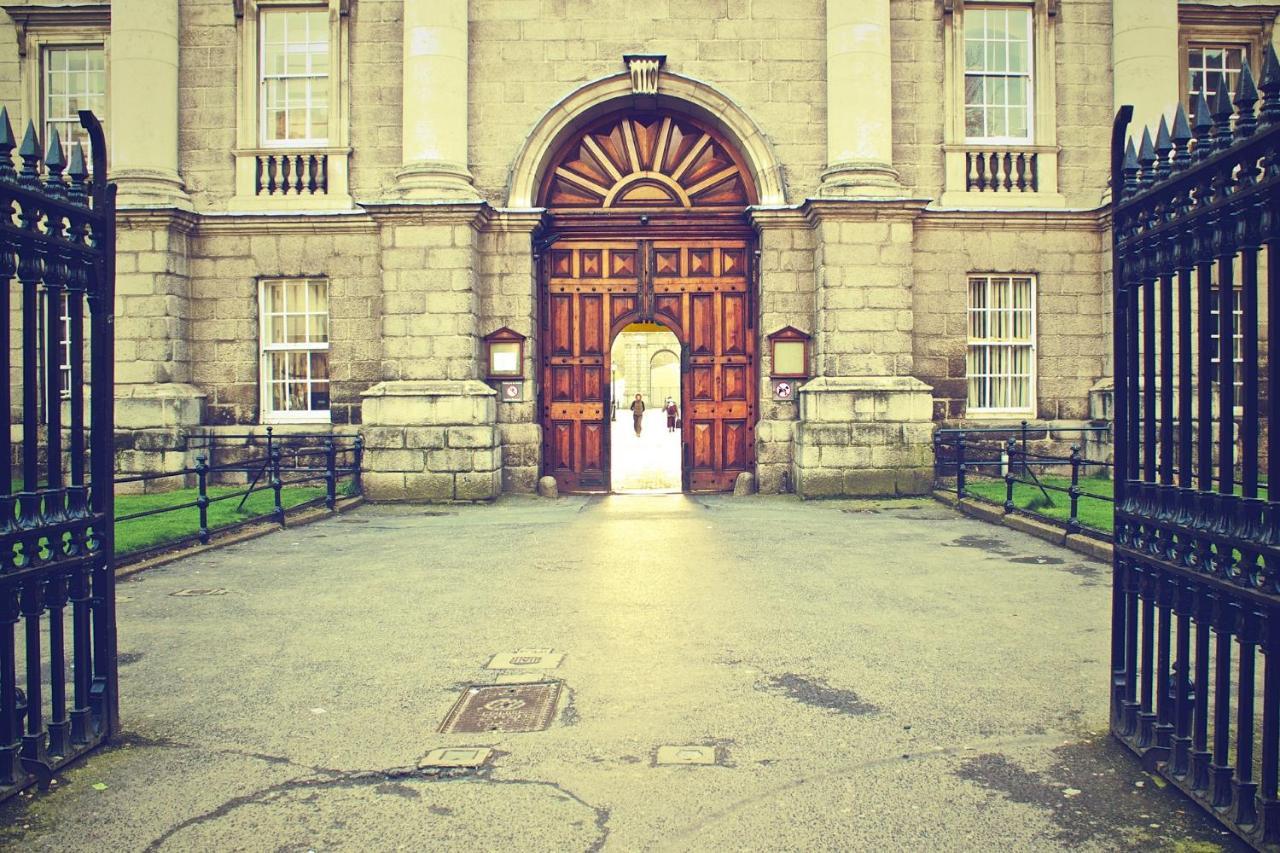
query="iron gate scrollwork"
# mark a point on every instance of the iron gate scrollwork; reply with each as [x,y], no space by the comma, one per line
[1196,594]
[57,251]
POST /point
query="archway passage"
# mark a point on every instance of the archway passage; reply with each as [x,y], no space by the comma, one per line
[645,446]
[648,213]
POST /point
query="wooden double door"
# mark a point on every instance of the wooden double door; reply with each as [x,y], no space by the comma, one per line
[699,289]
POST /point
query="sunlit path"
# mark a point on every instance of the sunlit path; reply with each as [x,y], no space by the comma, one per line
[649,462]
[906,679]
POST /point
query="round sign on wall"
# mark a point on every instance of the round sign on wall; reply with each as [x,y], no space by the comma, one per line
[783,389]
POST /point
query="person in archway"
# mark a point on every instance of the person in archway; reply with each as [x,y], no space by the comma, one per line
[637,413]
[673,412]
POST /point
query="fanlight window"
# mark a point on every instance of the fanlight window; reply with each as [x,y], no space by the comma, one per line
[661,161]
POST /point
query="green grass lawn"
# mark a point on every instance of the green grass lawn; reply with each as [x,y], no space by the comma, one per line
[1091,513]
[140,533]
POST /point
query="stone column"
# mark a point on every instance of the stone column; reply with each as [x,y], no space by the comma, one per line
[144,104]
[435,102]
[1144,57]
[859,101]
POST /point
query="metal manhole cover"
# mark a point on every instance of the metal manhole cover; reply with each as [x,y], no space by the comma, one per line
[190,593]
[503,708]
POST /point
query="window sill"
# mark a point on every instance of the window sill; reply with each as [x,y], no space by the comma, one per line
[285,418]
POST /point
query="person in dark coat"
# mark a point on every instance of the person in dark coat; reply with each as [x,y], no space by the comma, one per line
[637,413]
[673,411]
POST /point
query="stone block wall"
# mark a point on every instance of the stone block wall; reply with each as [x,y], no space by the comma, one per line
[431,441]
[786,258]
[1066,255]
[429,301]
[867,436]
[767,55]
[153,298]
[232,257]
[507,297]
[863,300]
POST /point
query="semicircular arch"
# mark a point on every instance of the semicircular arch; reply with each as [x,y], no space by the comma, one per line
[677,95]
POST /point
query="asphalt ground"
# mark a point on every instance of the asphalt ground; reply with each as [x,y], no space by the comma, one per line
[868,675]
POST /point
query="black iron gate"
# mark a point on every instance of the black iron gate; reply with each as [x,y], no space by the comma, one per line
[1196,596]
[57,256]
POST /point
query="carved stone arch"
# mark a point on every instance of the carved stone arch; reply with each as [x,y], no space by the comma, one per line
[638,160]
[678,96]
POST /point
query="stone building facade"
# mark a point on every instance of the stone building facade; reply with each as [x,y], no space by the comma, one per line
[327,206]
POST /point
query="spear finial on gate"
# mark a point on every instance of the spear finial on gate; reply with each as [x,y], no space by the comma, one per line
[30,153]
[1181,139]
[1246,99]
[7,144]
[1130,168]
[1270,86]
[1147,160]
[1202,127]
[1222,112]
[56,162]
[78,174]
[1164,147]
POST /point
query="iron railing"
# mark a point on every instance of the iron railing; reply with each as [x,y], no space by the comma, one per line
[1005,455]
[265,463]
[1196,595]
[57,241]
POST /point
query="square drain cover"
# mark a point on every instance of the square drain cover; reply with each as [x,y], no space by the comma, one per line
[503,708]
[527,659]
[457,756]
[686,755]
[190,593]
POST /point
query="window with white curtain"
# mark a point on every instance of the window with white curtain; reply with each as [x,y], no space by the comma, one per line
[294,76]
[1001,357]
[998,96]
[295,350]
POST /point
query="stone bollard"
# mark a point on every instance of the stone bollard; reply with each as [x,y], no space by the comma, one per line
[744,485]
[547,488]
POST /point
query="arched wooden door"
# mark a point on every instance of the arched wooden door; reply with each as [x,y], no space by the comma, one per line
[648,213]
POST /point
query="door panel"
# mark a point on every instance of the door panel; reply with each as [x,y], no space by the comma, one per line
[698,288]
[709,280]
[588,286]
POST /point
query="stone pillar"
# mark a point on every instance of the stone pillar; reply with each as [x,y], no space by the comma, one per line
[156,404]
[430,426]
[786,263]
[866,424]
[1144,58]
[435,102]
[859,101]
[507,290]
[144,104]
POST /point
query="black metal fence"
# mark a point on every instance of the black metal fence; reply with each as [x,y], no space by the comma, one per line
[1023,455]
[57,248]
[1196,216]
[259,463]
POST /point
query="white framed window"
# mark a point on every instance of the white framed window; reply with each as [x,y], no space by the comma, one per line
[999,101]
[293,75]
[293,101]
[1209,66]
[1237,337]
[294,349]
[64,348]
[1001,358]
[73,78]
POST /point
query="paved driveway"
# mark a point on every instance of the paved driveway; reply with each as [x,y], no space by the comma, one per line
[869,675]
